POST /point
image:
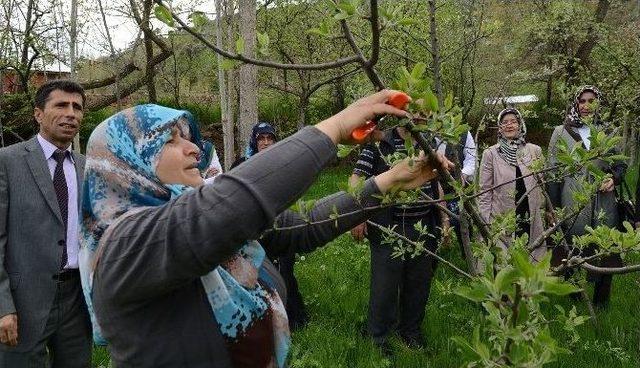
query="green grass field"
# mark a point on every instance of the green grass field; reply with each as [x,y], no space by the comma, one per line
[334,281]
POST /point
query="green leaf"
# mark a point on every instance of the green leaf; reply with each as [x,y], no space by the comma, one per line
[466,349]
[505,278]
[318,31]
[240,45]
[342,15]
[432,101]
[228,64]
[347,7]
[448,101]
[418,70]
[263,39]
[263,43]
[199,19]
[477,292]
[521,262]
[407,22]
[163,14]
[555,286]
[345,150]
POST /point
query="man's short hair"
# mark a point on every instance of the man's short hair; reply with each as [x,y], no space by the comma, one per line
[69,86]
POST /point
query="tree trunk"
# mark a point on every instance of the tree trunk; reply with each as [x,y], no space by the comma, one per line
[24,53]
[338,96]
[148,49]
[248,103]
[302,111]
[73,37]
[227,122]
[1,106]
[112,53]
[435,52]
[581,57]
[232,76]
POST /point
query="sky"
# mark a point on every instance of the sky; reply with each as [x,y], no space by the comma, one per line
[122,28]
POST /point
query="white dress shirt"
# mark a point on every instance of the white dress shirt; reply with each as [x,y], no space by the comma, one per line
[72,205]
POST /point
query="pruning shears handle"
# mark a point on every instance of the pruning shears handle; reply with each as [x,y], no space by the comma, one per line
[399,100]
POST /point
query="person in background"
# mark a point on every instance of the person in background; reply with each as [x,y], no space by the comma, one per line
[465,153]
[511,158]
[263,135]
[214,167]
[585,107]
[400,286]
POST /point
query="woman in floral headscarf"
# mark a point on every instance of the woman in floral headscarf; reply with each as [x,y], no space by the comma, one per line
[170,274]
[509,161]
[583,112]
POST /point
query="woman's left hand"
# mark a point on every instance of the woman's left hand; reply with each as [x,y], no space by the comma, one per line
[607,185]
[411,173]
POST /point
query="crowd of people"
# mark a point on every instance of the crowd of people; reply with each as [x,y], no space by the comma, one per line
[146,246]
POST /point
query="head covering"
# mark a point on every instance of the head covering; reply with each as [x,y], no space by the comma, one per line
[573,118]
[120,175]
[260,128]
[508,147]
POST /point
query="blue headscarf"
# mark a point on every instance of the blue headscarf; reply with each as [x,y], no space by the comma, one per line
[122,155]
[260,128]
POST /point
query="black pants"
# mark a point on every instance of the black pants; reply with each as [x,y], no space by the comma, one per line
[296,310]
[399,288]
[601,283]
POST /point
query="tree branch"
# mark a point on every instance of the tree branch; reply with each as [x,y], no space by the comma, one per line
[269,64]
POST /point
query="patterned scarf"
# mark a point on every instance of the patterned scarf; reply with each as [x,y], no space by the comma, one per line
[573,118]
[122,155]
[508,148]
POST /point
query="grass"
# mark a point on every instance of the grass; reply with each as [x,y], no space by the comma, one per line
[334,282]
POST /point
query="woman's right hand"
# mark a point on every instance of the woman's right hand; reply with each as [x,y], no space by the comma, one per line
[339,126]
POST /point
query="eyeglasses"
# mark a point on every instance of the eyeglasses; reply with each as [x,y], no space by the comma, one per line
[509,122]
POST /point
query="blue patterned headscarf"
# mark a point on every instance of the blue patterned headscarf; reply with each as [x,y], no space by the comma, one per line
[259,128]
[120,176]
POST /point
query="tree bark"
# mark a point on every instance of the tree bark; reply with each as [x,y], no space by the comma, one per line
[73,37]
[116,78]
[248,78]
[435,52]
[225,113]
[581,57]
[25,63]
[148,48]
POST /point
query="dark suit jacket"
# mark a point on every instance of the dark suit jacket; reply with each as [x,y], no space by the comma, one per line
[31,238]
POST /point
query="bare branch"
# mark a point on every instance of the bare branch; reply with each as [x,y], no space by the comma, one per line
[269,64]
[407,240]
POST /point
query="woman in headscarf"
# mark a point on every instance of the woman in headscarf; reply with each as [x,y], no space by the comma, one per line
[509,161]
[169,270]
[263,136]
[585,111]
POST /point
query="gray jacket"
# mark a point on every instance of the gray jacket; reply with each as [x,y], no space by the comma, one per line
[561,192]
[31,238]
[148,296]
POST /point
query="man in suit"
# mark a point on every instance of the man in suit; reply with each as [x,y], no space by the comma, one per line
[43,316]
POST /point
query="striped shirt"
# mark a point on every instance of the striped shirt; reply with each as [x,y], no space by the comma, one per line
[371,162]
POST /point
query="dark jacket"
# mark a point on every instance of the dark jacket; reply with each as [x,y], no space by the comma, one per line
[148,296]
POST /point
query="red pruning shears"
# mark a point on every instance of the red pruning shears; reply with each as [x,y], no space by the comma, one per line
[399,100]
